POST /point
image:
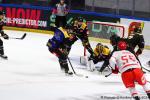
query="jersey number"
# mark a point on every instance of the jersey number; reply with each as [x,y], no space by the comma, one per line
[128,58]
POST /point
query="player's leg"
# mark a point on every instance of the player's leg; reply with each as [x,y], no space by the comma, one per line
[140,78]
[86,44]
[2,50]
[57,20]
[64,21]
[63,63]
[90,65]
[128,80]
[134,93]
[146,89]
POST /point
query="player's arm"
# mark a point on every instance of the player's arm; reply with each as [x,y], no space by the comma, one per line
[141,45]
[112,63]
[66,9]
[84,30]
[4,35]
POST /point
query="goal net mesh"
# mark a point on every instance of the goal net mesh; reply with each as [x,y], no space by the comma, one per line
[104,29]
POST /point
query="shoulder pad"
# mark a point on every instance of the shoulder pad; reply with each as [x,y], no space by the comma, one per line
[83,26]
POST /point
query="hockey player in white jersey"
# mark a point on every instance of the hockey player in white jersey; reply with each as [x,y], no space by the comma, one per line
[125,62]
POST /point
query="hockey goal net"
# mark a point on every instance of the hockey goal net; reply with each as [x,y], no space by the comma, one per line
[105,29]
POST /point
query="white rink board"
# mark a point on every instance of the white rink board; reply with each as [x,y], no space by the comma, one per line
[146,30]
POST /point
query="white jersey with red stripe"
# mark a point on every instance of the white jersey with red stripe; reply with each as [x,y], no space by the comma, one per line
[124,60]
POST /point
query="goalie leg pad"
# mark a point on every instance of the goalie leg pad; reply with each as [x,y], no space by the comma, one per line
[83,60]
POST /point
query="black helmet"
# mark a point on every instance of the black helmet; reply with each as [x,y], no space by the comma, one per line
[114,39]
[80,19]
[137,30]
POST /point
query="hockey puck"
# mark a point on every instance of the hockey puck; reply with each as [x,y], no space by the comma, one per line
[86,77]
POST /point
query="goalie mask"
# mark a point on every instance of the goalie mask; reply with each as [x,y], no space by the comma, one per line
[99,47]
[105,51]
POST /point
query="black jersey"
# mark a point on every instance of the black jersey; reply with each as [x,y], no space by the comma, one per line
[1,25]
[137,40]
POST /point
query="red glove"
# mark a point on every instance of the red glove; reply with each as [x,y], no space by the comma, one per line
[115,71]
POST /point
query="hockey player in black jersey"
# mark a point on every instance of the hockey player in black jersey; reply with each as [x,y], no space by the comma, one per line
[4,35]
[114,39]
[137,39]
[134,39]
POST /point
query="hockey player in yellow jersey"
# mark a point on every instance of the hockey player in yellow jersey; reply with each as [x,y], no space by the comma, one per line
[101,53]
[80,30]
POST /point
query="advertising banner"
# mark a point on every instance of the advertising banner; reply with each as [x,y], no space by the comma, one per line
[36,17]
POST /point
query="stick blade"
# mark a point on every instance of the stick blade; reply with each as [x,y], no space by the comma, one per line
[24,35]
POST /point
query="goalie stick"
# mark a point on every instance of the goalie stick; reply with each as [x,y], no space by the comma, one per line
[21,38]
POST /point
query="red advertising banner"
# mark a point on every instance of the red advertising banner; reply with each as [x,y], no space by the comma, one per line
[26,17]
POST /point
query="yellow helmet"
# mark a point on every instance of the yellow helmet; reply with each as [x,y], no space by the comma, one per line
[99,47]
[105,50]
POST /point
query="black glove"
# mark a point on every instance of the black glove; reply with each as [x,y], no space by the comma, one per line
[5,36]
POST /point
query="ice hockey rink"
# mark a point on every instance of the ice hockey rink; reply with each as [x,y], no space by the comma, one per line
[32,73]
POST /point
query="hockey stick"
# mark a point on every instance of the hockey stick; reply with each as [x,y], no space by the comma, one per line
[74,70]
[110,69]
[21,38]
[108,75]
[145,69]
[140,63]
[71,66]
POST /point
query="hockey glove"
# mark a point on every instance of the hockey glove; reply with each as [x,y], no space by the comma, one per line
[139,51]
[115,71]
[5,36]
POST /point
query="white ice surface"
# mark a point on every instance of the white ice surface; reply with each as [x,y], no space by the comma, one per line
[32,73]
